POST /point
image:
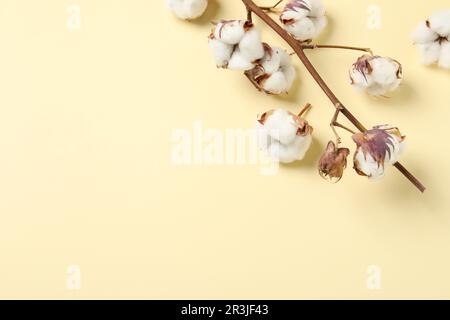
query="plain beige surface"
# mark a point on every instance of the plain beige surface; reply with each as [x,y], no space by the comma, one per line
[86,177]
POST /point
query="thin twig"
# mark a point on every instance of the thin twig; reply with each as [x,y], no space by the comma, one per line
[297,47]
[270,8]
[329,46]
[305,109]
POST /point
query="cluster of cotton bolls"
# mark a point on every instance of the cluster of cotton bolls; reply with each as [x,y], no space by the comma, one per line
[283,136]
[274,73]
[187,9]
[237,45]
[376,75]
[377,148]
[432,39]
[304,19]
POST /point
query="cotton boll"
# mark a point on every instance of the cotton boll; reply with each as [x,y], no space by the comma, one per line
[251,46]
[236,45]
[221,52]
[281,126]
[432,39]
[376,149]
[230,32]
[274,73]
[376,75]
[187,9]
[283,136]
[304,19]
[444,59]
[440,23]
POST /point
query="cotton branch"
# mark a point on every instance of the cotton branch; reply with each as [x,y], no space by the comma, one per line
[328,46]
[299,50]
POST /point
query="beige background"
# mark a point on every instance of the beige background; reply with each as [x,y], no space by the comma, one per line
[86,177]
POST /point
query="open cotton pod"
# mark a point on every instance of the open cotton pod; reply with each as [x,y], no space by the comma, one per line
[376,149]
[376,75]
[432,39]
[283,136]
[236,45]
[274,73]
[304,19]
[187,9]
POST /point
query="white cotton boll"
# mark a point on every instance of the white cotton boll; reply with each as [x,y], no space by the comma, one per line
[444,59]
[429,52]
[235,45]
[304,19]
[221,52]
[432,39]
[251,46]
[281,126]
[376,75]
[187,9]
[239,62]
[283,136]
[424,34]
[274,73]
[230,32]
[377,149]
[440,23]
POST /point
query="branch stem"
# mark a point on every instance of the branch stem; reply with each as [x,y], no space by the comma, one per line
[297,47]
[330,46]
[270,8]
[305,109]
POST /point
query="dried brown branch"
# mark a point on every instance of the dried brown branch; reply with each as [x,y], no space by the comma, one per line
[299,50]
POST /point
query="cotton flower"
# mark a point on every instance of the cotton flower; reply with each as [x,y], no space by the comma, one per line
[304,19]
[187,9]
[236,45]
[377,148]
[274,73]
[432,39]
[376,75]
[333,162]
[284,136]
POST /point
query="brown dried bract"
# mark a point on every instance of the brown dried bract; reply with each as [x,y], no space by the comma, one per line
[333,162]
